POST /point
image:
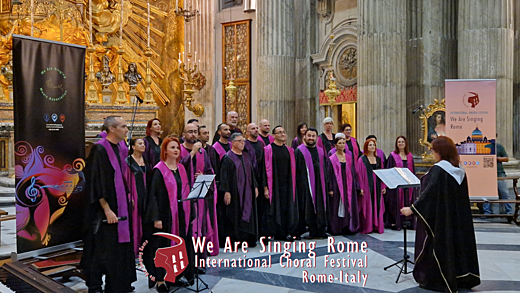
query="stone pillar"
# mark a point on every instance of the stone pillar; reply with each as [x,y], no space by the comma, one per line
[307,89]
[431,51]
[485,34]
[516,81]
[201,33]
[382,71]
[276,64]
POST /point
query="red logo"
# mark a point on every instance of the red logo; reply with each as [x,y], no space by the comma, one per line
[62,118]
[471,99]
[173,259]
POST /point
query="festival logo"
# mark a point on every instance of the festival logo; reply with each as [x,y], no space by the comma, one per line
[173,259]
[471,100]
[43,191]
[53,88]
[46,117]
[62,118]
[54,117]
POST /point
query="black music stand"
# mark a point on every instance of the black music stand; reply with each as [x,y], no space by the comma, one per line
[199,190]
[400,178]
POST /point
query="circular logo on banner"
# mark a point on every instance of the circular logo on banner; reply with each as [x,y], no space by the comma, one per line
[53,88]
[471,99]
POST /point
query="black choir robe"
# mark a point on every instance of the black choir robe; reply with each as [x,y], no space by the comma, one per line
[445,246]
[238,219]
[312,214]
[103,254]
[158,209]
[152,152]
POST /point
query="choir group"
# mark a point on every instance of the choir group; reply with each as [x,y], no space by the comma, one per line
[264,189]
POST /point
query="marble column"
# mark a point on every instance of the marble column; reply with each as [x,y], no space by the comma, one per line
[516,80]
[276,64]
[307,89]
[382,71]
[485,50]
[201,33]
[431,50]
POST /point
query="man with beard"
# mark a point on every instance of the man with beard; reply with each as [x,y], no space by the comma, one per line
[238,209]
[222,145]
[254,147]
[108,246]
[281,206]
[310,186]
[204,139]
[265,126]
[232,122]
[197,162]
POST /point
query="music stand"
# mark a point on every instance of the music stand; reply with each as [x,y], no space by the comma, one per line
[400,178]
[199,190]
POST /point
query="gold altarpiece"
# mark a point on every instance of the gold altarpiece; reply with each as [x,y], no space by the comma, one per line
[156,62]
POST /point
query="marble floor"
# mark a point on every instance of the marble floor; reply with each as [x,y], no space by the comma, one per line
[498,246]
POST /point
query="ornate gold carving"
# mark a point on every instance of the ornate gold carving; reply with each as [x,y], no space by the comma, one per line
[348,64]
[200,81]
[425,121]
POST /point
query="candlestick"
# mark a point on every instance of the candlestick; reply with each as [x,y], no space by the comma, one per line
[90,19]
[195,56]
[148,25]
[32,18]
[183,56]
[189,47]
[179,56]
[176,6]
[121,27]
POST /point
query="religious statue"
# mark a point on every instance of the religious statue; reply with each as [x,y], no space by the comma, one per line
[132,77]
[105,76]
[7,70]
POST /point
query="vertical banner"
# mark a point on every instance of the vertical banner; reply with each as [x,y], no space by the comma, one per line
[49,123]
[471,123]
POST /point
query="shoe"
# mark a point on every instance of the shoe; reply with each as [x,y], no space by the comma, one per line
[289,238]
[131,289]
[151,283]
[162,288]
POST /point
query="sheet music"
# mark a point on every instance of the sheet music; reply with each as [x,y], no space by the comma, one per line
[201,186]
[398,177]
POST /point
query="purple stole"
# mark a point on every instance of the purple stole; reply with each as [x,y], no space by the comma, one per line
[212,233]
[122,144]
[200,161]
[171,187]
[244,183]
[123,227]
[136,216]
[310,173]
[399,164]
[219,149]
[271,138]
[381,154]
[268,153]
[336,164]
[354,148]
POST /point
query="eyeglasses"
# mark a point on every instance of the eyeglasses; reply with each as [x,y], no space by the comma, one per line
[240,140]
[280,132]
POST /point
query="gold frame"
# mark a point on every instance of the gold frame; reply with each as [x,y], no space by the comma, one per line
[427,113]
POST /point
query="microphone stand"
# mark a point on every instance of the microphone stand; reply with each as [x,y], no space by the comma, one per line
[138,101]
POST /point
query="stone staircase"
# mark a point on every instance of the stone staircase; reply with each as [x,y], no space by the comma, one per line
[7,192]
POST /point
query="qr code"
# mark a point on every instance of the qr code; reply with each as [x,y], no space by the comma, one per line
[489,162]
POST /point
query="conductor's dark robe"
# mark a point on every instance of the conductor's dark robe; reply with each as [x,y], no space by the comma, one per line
[371,204]
[106,250]
[152,152]
[344,216]
[395,198]
[166,188]
[137,178]
[206,209]
[310,175]
[445,247]
[281,216]
[239,218]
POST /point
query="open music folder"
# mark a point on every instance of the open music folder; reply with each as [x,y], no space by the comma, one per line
[398,178]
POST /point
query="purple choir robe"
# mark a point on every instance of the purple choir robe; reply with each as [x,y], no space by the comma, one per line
[296,143]
[149,153]
[136,179]
[203,166]
[324,143]
[343,204]
[371,205]
[395,197]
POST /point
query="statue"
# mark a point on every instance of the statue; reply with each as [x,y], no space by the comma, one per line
[105,76]
[132,77]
